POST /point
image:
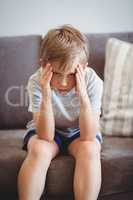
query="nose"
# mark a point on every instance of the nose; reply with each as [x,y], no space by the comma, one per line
[63,82]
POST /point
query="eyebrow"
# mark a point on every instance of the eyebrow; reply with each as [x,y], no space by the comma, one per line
[71,73]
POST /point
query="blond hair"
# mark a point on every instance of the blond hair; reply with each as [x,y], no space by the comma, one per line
[64,44]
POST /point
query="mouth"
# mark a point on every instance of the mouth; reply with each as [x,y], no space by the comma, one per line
[63,90]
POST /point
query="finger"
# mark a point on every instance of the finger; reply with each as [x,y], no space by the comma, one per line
[46,68]
[50,77]
[86,64]
[79,73]
[46,65]
[82,73]
[77,83]
[81,69]
[45,75]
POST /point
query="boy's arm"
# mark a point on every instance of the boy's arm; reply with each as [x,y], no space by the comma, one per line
[45,123]
[44,119]
[88,122]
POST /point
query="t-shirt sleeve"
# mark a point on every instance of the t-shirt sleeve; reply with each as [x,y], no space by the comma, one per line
[95,91]
[34,95]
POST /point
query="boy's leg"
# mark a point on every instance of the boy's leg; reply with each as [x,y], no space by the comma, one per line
[32,175]
[87,176]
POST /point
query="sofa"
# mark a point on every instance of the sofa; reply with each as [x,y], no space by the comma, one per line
[19,58]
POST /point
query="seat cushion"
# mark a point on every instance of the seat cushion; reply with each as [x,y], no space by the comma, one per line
[117,166]
[11,158]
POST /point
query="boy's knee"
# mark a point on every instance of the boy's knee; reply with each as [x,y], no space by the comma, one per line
[88,149]
[40,149]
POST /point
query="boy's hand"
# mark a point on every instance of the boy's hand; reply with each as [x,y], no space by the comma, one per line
[45,81]
[80,83]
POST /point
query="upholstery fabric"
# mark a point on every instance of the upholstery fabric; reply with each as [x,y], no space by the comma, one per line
[19,58]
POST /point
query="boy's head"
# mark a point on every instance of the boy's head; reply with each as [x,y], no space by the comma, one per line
[64,47]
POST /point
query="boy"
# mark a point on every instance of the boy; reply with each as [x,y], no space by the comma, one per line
[65,99]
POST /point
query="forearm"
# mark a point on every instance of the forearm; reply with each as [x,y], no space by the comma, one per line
[87,122]
[45,122]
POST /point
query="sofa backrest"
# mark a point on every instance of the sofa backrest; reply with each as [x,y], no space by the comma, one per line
[19,58]
[97,44]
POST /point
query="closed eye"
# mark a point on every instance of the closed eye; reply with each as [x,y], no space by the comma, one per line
[56,73]
[59,74]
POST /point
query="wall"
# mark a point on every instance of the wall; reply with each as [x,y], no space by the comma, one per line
[19,17]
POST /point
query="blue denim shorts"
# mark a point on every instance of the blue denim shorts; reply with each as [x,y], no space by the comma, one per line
[62,141]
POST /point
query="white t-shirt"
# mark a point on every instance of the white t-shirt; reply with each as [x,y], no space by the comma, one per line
[65,107]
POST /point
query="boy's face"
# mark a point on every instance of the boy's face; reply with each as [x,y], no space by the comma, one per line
[63,81]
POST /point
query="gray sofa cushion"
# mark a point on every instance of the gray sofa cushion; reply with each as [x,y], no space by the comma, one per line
[19,58]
